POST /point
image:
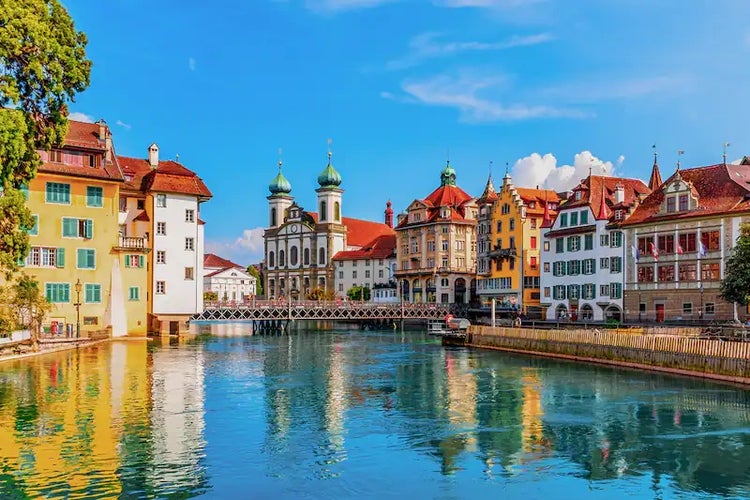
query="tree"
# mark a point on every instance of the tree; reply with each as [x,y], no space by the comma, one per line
[43,65]
[321,293]
[735,287]
[30,304]
[210,296]
[356,292]
[253,271]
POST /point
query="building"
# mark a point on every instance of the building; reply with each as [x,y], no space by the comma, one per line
[299,245]
[371,267]
[229,281]
[509,245]
[436,245]
[169,196]
[679,239]
[583,250]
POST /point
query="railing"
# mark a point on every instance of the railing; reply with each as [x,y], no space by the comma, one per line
[134,242]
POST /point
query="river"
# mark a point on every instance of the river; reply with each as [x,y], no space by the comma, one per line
[345,413]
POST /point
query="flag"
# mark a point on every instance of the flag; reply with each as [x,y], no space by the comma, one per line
[680,251]
[635,252]
[701,249]
[654,250]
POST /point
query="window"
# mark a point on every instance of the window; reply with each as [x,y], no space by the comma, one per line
[306,257]
[546,246]
[380,273]
[574,243]
[531,282]
[161,228]
[499,226]
[322,257]
[460,245]
[533,263]
[445,245]
[645,274]
[687,272]
[574,267]
[55,156]
[354,274]
[189,273]
[604,240]
[57,193]
[293,256]
[77,228]
[93,293]
[558,268]
[161,200]
[189,215]
[45,257]
[578,195]
[666,273]
[671,204]
[134,293]
[683,202]
[588,242]
[558,292]
[282,258]
[687,308]
[604,290]
[34,230]
[367,273]
[584,217]
[190,244]
[615,239]
[140,204]
[341,274]
[559,245]
[161,287]
[134,260]
[533,223]
[604,262]
[666,243]
[546,267]
[323,210]
[161,257]
[86,258]
[710,240]
[574,218]
[615,264]
[512,242]
[532,242]
[710,271]
[589,266]
[710,309]
[341,287]
[95,197]
[512,224]
[123,204]
[546,291]
[57,292]
[336,211]
[589,291]
[615,290]
[273,217]
[564,220]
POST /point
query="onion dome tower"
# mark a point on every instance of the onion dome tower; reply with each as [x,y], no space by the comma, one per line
[329,194]
[279,200]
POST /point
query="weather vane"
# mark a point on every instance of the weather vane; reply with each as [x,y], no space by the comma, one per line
[680,152]
[280,162]
[726,145]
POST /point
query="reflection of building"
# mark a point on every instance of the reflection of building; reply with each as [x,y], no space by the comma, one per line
[532,412]
[678,241]
[509,245]
[299,245]
[436,243]
[583,250]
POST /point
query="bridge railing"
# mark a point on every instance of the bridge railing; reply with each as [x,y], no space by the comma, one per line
[316,304]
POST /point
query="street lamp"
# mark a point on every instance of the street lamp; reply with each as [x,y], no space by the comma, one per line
[77,305]
[700,311]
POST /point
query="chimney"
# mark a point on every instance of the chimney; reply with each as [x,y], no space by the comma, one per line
[619,193]
[388,214]
[153,155]
[106,137]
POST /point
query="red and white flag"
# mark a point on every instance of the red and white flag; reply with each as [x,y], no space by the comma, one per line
[680,251]
[654,250]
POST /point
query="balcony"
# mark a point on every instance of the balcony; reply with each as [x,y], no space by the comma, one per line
[132,243]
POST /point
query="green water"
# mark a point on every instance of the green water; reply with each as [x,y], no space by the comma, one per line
[347,414]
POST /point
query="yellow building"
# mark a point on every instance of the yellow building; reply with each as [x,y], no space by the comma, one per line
[508,249]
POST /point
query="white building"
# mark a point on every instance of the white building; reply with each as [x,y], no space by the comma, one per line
[173,198]
[230,283]
[372,266]
[583,250]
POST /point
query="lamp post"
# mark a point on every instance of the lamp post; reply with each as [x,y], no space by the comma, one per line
[77,305]
[700,311]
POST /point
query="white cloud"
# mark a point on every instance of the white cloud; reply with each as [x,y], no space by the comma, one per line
[463,93]
[620,160]
[246,249]
[81,117]
[427,46]
[123,124]
[543,171]
[191,63]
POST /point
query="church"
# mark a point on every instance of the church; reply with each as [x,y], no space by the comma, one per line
[300,245]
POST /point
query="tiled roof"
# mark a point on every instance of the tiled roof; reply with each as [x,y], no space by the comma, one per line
[489,195]
[85,136]
[594,187]
[719,188]
[445,196]
[360,232]
[168,177]
[539,197]
[219,271]
[382,247]
[211,260]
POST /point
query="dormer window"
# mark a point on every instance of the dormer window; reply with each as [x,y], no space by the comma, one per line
[578,195]
[618,214]
[671,203]
[532,204]
[683,202]
[56,156]
[445,212]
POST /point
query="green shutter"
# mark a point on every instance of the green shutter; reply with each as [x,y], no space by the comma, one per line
[69,227]
[60,260]
[35,228]
[140,261]
[80,258]
[127,260]
[89,229]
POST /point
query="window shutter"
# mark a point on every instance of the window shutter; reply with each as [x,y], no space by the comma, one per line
[60,260]
[140,261]
[81,257]
[91,259]
[21,262]
[89,229]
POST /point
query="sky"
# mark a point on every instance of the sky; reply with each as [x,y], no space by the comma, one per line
[549,88]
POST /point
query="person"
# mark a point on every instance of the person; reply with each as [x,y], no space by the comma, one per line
[448,318]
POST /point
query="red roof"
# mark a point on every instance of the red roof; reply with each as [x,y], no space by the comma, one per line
[360,232]
[595,187]
[84,136]
[445,196]
[143,217]
[214,261]
[719,188]
[382,247]
[168,177]
[218,271]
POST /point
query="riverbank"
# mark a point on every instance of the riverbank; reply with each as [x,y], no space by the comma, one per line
[681,355]
[47,346]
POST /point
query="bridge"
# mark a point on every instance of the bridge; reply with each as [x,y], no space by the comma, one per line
[277,311]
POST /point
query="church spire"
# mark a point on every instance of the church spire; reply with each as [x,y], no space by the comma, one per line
[655,181]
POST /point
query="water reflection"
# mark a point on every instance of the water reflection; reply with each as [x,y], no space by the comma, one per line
[349,413]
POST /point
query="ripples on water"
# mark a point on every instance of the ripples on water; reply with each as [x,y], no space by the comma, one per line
[355,414]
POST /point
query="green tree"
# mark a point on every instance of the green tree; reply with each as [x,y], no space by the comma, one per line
[321,293]
[210,296]
[735,286]
[43,66]
[356,292]
[30,304]
[252,270]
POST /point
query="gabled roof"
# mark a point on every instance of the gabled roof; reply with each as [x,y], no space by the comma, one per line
[540,198]
[240,270]
[382,247]
[212,261]
[85,136]
[595,187]
[168,177]
[446,195]
[720,189]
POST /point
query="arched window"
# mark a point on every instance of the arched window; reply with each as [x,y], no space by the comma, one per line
[337,211]
[322,257]
[306,256]
[282,258]
[273,217]
[271,287]
[323,210]
[282,286]
[293,256]
[271,259]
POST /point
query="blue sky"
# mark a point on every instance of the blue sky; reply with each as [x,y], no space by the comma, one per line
[549,86]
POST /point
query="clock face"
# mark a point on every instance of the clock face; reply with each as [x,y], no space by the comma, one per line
[294,228]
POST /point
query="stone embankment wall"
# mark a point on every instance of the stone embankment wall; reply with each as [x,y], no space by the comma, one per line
[682,354]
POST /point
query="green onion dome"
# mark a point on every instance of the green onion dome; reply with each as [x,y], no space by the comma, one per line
[329,177]
[448,175]
[279,184]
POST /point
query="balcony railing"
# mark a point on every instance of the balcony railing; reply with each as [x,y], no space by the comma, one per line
[133,243]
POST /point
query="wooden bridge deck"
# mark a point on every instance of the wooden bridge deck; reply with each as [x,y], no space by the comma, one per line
[323,311]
